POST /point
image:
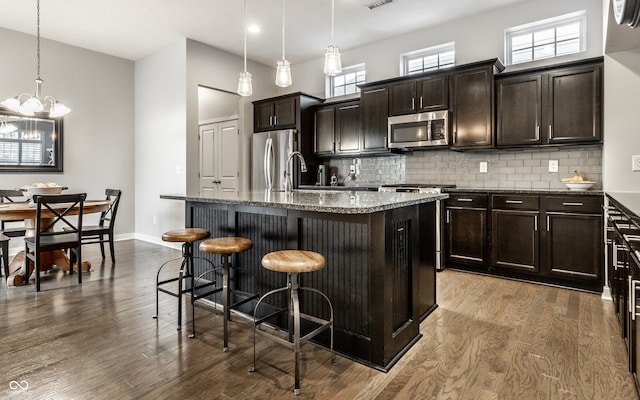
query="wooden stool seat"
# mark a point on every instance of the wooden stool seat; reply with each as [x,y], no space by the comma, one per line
[293,261]
[188,235]
[226,245]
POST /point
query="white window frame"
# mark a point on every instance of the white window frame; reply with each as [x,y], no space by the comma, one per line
[555,22]
[330,80]
[405,58]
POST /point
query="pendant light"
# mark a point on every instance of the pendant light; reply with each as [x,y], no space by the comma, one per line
[36,103]
[332,63]
[283,70]
[244,83]
[7,128]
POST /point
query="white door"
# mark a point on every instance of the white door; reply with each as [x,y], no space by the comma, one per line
[219,164]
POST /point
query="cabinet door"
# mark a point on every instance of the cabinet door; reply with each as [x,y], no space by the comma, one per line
[575,107]
[348,128]
[262,116]
[634,317]
[324,129]
[472,108]
[373,108]
[574,246]
[433,93]
[466,236]
[519,102]
[402,98]
[285,112]
[515,240]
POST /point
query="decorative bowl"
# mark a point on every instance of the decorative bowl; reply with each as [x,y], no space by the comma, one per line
[28,192]
[579,186]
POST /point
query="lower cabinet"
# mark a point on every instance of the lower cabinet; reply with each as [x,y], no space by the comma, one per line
[555,239]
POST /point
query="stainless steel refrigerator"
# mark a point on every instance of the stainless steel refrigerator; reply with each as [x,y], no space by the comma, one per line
[269,156]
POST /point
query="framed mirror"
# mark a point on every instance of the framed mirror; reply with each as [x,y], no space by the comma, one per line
[30,144]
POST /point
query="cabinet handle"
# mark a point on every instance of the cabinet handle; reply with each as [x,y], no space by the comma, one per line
[535,223]
[537,132]
[465,199]
[413,103]
[548,223]
[615,256]
[421,102]
[275,120]
[270,120]
[455,136]
[550,131]
[513,201]
[632,295]
[572,204]
[447,216]
[349,107]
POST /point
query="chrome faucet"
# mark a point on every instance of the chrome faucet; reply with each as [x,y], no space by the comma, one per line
[288,184]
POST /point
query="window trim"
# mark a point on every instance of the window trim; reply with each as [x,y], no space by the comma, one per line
[437,49]
[329,80]
[554,22]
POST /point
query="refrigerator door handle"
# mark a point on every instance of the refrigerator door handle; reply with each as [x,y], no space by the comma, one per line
[268,163]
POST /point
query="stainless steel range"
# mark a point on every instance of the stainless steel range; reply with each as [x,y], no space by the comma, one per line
[431,189]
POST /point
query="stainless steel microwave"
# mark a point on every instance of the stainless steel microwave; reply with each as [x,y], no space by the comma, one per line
[419,130]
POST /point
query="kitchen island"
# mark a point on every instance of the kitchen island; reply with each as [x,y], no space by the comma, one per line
[379,248]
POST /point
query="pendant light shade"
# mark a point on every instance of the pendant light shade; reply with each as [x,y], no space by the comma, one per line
[332,61]
[283,70]
[244,82]
[28,105]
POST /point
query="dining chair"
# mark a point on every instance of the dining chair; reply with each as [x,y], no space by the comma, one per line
[50,210]
[12,196]
[103,232]
[4,249]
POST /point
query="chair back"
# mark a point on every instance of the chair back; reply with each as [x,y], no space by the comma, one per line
[9,196]
[108,217]
[53,209]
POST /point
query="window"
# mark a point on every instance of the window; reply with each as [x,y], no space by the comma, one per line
[429,59]
[554,37]
[347,82]
[21,148]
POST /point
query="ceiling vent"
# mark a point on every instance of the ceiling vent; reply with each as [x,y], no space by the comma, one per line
[379,3]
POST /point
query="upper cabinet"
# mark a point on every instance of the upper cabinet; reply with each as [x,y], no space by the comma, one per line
[555,106]
[373,111]
[472,106]
[284,112]
[419,95]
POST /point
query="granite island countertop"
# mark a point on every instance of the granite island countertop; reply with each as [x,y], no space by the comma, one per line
[526,191]
[328,201]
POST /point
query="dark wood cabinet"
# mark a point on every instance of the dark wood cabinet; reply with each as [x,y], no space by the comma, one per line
[574,237]
[472,107]
[280,113]
[466,231]
[419,95]
[554,106]
[348,131]
[324,129]
[515,239]
[373,110]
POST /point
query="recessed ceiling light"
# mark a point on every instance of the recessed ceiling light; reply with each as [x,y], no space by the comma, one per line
[253,29]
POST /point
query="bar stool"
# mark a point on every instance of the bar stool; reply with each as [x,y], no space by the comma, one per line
[187,237]
[293,262]
[225,246]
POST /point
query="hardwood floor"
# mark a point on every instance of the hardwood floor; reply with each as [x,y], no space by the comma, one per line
[490,338]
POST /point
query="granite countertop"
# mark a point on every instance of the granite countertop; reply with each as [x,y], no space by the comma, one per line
[526,191]
[363,188]
[330,201]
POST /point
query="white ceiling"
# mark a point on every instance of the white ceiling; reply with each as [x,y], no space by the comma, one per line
[132,29]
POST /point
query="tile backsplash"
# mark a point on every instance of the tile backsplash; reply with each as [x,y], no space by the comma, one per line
[507,169]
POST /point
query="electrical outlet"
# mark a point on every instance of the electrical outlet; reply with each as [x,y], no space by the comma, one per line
[483,166]
[352,169]
[553,165]
[635,163]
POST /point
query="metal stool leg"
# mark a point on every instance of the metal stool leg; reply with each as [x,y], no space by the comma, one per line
[226,300]
[296,329]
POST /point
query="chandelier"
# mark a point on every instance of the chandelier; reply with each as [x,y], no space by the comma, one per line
[28,105]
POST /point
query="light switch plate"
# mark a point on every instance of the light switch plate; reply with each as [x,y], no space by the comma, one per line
[635,163]
[553,165]
[483,166]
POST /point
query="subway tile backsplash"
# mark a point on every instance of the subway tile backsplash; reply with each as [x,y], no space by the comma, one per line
[516,168]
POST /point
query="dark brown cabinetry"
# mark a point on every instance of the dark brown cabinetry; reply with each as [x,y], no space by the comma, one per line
[555,106]
[472,106]
[514,233]
[324,130]
[348,130]
[373,108]
[275,114]
[419,95]
[466,231]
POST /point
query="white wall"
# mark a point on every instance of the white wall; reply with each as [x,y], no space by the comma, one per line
[99,131]
[477,38]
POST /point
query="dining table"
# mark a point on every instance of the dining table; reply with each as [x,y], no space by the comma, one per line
[27,212]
